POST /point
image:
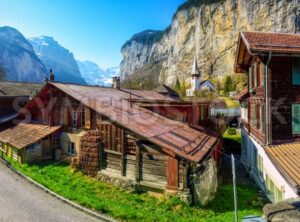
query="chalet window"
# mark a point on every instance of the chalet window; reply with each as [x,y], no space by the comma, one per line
[71,148]
[260,165]
[74,118]
[262,118]
[262,74]
[254,115]
[256,75]
[83,117]
[258,117]
[296,71]
[296,118]
[272,189]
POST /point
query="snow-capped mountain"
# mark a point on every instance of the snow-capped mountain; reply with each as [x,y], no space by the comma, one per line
[58,58]
[18,59]
[94,75]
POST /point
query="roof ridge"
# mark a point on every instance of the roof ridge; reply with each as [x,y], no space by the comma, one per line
[272,32]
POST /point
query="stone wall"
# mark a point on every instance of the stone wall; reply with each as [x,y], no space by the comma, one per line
[204,182]
[88,157]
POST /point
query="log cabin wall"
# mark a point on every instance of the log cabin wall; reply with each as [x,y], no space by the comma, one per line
[125,154]
[193,114]
[283,93]
[256,100]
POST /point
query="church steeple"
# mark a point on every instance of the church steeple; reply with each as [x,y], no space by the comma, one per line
[195,70]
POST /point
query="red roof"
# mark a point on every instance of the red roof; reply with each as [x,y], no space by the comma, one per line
[172,135]
[275,42]
[261,43]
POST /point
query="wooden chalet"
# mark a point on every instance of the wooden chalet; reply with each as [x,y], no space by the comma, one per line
[270,110]
[13,96]
[147,137]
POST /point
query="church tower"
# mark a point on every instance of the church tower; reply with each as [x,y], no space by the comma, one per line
[195,76]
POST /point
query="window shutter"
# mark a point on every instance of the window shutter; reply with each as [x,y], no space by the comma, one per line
[296,71]
[254,120]
[262,74]
[262,118]
[296,118]
[255,75]
[250,77]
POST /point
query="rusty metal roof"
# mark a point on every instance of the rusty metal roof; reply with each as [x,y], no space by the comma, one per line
[286,158]
[172,135]
[261,43]
[19,88]
[25,134]
[275,42]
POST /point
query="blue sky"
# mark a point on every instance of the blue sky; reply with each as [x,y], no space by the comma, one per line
[92,29]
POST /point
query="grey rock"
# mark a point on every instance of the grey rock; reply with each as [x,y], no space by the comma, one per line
[209,30]
[58,58]
[285,211]
[18,59]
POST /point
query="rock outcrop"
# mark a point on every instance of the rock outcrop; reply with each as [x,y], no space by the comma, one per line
[17,58]
[285,211]
[209,30]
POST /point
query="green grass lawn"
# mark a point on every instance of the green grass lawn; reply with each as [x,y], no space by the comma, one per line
[235,137]
[232,142]
[125,206]
[230,103]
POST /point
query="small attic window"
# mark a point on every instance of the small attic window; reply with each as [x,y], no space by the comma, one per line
[296,71]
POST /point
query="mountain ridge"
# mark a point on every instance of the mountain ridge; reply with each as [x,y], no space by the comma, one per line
[57,58]
[18,59]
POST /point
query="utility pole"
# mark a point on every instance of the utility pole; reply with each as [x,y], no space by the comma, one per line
[234,188]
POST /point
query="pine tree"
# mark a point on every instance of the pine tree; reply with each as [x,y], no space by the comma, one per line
[177,85]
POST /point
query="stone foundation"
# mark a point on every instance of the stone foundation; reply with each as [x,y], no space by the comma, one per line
[88,157]
[124,183]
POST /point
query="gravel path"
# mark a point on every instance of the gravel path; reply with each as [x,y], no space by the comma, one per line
[20,201]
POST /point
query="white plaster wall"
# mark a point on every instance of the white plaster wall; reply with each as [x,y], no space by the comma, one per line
[71,137]
[244,114]
[268,167]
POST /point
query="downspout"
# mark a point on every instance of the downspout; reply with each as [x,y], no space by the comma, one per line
[267,111]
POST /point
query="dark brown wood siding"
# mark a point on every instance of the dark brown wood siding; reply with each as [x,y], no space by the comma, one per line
[283,94]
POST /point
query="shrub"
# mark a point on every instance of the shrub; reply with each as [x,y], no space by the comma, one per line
[231,131]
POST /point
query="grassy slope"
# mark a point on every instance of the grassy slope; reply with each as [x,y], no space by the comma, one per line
[230,103]
[124,206]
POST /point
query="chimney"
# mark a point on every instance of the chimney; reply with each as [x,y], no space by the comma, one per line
[116,82]
[51,76]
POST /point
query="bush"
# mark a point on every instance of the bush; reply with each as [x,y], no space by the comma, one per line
[231,131]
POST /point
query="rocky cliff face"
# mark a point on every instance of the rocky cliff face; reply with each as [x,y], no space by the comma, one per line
[58,58]
[18,59]
[209,30]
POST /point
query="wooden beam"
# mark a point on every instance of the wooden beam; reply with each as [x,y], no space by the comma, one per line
[184,175]
[101,152]
[172,173]
[138,161]
[123,164]
[113,138]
